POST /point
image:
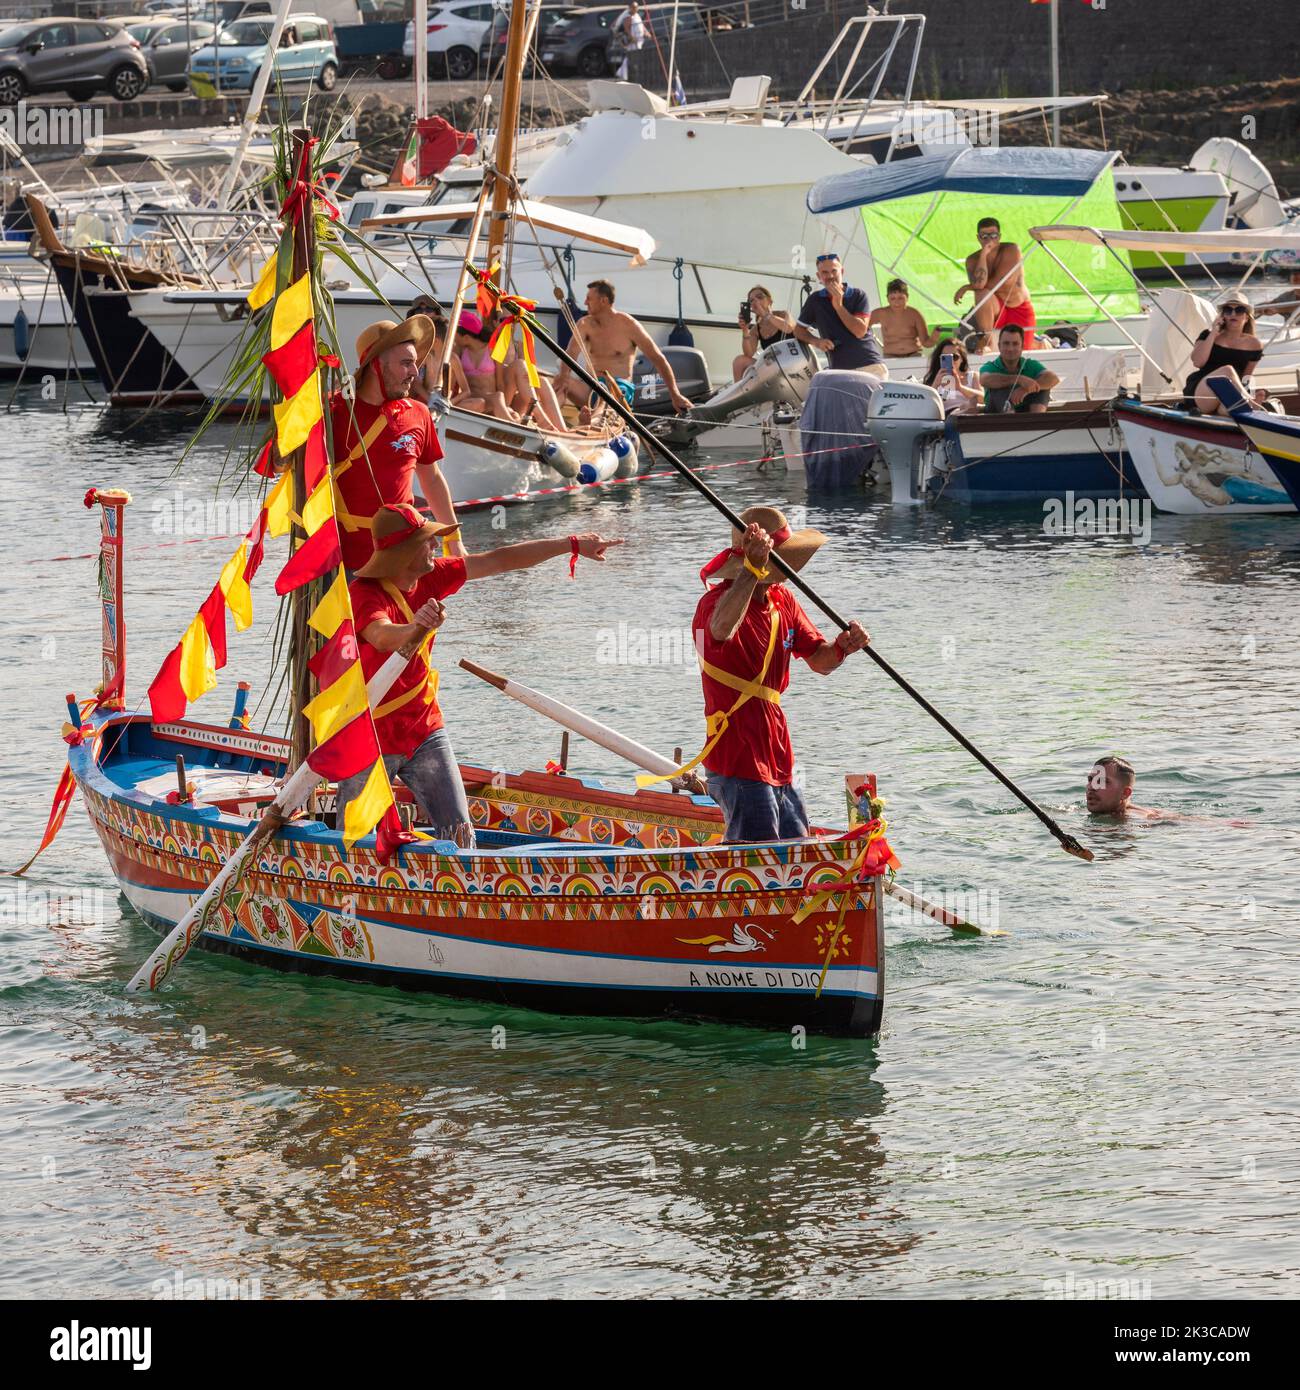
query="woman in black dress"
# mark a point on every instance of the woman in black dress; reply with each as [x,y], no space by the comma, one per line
[1229,349]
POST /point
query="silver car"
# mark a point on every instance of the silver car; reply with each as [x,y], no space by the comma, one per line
[167,44]
[77,56]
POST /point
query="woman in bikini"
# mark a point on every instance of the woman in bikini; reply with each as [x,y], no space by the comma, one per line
[485,379]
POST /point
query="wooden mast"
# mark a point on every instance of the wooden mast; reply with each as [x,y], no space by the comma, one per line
[504,154]
[304,596]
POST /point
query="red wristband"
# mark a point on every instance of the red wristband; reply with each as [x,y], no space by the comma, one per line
[573,557]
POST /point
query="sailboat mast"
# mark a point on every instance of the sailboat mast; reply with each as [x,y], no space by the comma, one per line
[304,597]
[507,129]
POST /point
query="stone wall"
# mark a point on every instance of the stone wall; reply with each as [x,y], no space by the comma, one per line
[1001,47]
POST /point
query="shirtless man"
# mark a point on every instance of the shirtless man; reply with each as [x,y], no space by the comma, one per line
[612,341]
[997,266]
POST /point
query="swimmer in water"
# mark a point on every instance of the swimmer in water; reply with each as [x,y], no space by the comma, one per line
[1109,791]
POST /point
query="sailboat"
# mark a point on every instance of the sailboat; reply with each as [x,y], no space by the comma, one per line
[576,898]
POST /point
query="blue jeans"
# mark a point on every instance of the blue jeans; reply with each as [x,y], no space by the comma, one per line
[757,810]
[433,777]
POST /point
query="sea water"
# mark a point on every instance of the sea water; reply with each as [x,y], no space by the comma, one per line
[1101,1103]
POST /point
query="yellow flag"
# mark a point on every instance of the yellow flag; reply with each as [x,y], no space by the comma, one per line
[363,812]
[292,310]
[279,505]
[333,610]
[295,417]
[339,704]
[264,291]
[239,598]
[198,673]
[320,506]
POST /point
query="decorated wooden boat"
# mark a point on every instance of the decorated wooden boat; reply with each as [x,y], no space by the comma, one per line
[578,899]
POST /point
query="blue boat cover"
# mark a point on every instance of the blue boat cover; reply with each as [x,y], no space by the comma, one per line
[1025,171]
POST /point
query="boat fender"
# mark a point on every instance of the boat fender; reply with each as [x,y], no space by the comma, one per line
[560,457]
[600,467]
[22,335]
[624,449]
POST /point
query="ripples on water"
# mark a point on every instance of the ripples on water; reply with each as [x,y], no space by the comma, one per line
[1109,1092]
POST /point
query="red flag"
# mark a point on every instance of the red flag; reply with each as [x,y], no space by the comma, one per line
[265,465]
[293,362]
[351,750]
[390,836]
[213,613]
[166,698]
[329,664]
[317,555]
[314,461]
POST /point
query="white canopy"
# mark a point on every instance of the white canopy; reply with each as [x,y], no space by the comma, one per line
[638,244]
[1270,239]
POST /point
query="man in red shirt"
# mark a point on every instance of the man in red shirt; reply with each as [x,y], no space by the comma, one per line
[746,630]
[397,605]
[383,438]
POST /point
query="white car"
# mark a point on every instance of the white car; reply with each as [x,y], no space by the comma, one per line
[454,34]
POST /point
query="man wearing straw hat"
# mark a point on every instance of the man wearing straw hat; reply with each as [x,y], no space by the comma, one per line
[397,600]
[747,628]
[384,438]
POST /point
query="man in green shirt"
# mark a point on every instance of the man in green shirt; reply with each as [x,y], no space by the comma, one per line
[1012,381]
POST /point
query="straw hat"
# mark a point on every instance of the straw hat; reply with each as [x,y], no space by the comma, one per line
[1234,297]
[398,532]
[379,337]
[796,548]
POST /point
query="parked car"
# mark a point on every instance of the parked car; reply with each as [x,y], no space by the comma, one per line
[454,35]
[581,41]
[232,61]
[167,44]
[77,56]
[223,12]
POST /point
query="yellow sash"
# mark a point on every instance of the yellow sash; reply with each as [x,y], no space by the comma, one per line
[716,724]
[429,687]
[347,519]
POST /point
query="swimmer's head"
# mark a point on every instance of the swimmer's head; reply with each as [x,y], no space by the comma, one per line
[1109,786]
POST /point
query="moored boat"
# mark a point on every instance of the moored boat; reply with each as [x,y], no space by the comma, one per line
[1199,465]
[1277,437]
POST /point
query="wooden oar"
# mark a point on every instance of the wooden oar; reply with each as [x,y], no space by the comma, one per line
[1066,841]
[175,946]
[641,756]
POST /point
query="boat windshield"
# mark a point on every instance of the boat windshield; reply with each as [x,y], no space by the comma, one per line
[247,33]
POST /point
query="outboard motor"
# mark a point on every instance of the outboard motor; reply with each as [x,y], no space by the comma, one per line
[779,375]
[902,417]
[690,370]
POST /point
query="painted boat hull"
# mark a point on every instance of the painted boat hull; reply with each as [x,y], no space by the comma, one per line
[1278,439]
[641,914]
[1197,465]
[989,460]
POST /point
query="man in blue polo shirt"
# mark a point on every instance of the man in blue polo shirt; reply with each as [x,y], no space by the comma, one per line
[834,318]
